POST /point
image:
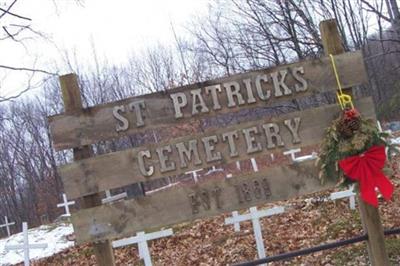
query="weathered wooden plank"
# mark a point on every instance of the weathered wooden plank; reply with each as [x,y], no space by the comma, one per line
[370,218]
[123,168]
[157,109]
[71,96]
[185,203]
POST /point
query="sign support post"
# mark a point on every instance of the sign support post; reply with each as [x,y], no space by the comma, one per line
[370,218]
[73,104]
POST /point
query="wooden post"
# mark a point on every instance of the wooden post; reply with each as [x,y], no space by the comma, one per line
[73,104]
[370,218]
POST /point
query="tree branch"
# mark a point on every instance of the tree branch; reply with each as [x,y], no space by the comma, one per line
[28,69]
[7,11]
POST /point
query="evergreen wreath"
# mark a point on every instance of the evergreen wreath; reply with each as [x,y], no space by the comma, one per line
[350,134]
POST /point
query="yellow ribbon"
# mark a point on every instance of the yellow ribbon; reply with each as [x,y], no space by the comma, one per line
[344,100]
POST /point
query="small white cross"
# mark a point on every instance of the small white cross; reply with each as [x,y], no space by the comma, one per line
[380,128]
[141,239]
[194,174]
[254,164]
[7,225]
[66,204]
[346,194]
[25,246]
[236,224]
[109,198]
[272,156]
[387,132]
[255,216]
[213,170]
[238,165]
[293,152]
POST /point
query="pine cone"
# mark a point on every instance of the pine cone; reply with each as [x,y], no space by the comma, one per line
[354,124]
[347,127]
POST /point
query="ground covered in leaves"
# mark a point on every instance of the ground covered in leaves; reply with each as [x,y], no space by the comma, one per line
[308,221]
[305,223]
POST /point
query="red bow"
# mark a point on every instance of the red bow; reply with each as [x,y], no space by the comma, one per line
[366,168]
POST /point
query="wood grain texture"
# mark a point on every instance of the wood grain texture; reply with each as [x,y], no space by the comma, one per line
[370,218]
[119,169]
[376,239]
[174,205]
[73,129]
[73,105]
[331,40]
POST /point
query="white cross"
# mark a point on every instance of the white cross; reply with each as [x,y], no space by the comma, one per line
[236,224]
[346,194]
[254,164]
[381,130]
[25,246]
[272,156]
[110,198]
[141,239]
[255,216]
[7,225]
[213,170]
[66,204]
[238,165]
[194,174]
[293,152]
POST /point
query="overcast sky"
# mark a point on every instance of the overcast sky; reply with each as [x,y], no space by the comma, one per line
[117,28]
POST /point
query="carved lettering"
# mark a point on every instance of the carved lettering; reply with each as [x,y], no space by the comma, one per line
[230,136]
[250,96]
[297,74]
[188,152]
[194,203]
[253,190]
[217,195]
[272,133]
[257,189]
[198,102]
[260,92]
[137,108]
[233,90]
[252,145]
[213,90]
[293,126]
[279,83]
[246,191]
[205,199]
[146,171]
[165,164]
[179,101]
[123,123]
[209,147]
[239,193]
[267,190]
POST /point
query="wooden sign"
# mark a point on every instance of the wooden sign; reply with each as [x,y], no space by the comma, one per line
[220,146]
[210,98]
[185,203]
[79,127]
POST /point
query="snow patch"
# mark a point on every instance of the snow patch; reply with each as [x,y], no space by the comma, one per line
[55,237]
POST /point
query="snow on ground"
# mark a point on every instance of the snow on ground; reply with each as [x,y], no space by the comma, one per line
[54,235]
[395,141]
